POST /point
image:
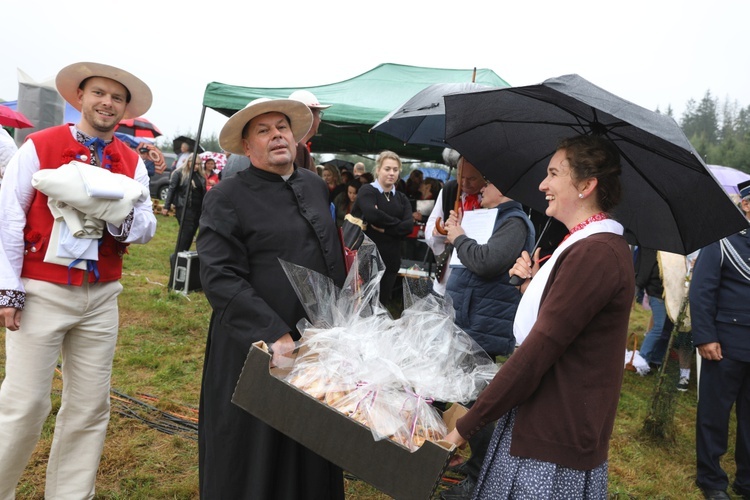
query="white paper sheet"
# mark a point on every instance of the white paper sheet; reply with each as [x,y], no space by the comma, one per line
[478,225]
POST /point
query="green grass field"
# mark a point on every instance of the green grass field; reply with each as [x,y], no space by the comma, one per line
[159,361]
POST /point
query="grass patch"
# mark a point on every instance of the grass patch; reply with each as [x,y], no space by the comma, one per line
[160,354]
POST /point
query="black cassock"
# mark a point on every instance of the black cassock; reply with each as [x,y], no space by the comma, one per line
[249,221]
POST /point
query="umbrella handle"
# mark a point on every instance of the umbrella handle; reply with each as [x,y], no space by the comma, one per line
[516,280]
[439,227]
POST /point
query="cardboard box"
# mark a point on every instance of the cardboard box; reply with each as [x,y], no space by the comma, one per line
[388,466]
[186,276]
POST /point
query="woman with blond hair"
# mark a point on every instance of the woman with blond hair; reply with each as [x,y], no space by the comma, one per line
[388,215]
[178,195]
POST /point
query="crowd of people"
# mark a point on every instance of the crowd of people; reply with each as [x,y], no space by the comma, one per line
[560,330]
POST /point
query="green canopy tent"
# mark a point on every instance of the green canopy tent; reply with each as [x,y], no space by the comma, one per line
[357,105]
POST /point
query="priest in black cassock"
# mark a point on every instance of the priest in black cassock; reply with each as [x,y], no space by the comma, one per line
[268,212]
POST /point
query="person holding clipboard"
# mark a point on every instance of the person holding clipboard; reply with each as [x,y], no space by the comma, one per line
[486,244]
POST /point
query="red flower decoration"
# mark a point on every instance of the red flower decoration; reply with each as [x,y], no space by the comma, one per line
[71,154]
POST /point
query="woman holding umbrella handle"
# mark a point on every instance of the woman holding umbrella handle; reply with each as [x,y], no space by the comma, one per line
[572,325]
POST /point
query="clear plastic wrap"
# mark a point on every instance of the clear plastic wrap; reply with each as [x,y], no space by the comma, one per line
[381,371]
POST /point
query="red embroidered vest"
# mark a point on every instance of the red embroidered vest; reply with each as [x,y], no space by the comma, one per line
[56,146]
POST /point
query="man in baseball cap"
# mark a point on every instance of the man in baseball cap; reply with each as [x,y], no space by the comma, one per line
[49,308]
[268,212]
[304,159]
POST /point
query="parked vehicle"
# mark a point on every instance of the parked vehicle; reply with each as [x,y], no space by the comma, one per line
[159,184]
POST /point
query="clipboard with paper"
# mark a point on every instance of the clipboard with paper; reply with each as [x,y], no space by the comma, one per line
[478,225]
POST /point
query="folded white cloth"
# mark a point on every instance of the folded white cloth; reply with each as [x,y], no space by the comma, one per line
[79,224]
[53,248]
[66,184]
[98,184]
[71,247]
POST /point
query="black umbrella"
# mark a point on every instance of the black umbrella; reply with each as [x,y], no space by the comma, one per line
[177,143]
[421,119]
[670,199]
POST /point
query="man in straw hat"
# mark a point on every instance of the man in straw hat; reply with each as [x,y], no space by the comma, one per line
[267,212]
[720,317]
[49,308]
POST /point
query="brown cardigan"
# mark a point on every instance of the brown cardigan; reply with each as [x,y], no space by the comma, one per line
[565,378]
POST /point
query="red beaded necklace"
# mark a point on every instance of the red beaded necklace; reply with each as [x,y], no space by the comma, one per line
[593,218]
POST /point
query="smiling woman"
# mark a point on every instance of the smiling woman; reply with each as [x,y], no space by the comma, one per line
[571,324]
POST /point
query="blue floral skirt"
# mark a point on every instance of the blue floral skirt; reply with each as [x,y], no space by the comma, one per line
[506,476]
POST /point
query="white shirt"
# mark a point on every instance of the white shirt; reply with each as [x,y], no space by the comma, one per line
[437,242]
[16,195]
[7,149]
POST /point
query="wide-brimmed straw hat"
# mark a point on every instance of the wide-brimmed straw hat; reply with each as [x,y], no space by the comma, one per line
[300,118]
[70,77]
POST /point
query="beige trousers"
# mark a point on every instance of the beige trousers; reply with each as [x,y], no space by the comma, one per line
[79,323]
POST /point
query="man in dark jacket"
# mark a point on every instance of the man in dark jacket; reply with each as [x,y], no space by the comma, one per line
[267,212]
[484,300]
[471,184]
[719,293]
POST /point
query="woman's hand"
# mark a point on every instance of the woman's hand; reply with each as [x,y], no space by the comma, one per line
[455,438]
[164,211]
[417,216]
[525,268]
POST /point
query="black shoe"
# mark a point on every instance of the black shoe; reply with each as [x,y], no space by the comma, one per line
[743,493]
[461,491]
[458,469]
[683,384]
[653,368]
[710,494]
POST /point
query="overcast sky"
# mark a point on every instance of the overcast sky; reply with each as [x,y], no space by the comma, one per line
[654,53]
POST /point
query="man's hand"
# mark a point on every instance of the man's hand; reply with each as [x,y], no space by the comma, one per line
[10,317]
[710,351]
[453,226]
[283,349]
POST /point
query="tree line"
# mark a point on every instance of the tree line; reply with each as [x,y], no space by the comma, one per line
[719,131]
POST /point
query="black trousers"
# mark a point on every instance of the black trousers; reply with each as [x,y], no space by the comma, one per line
[722,384]
[188,227]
